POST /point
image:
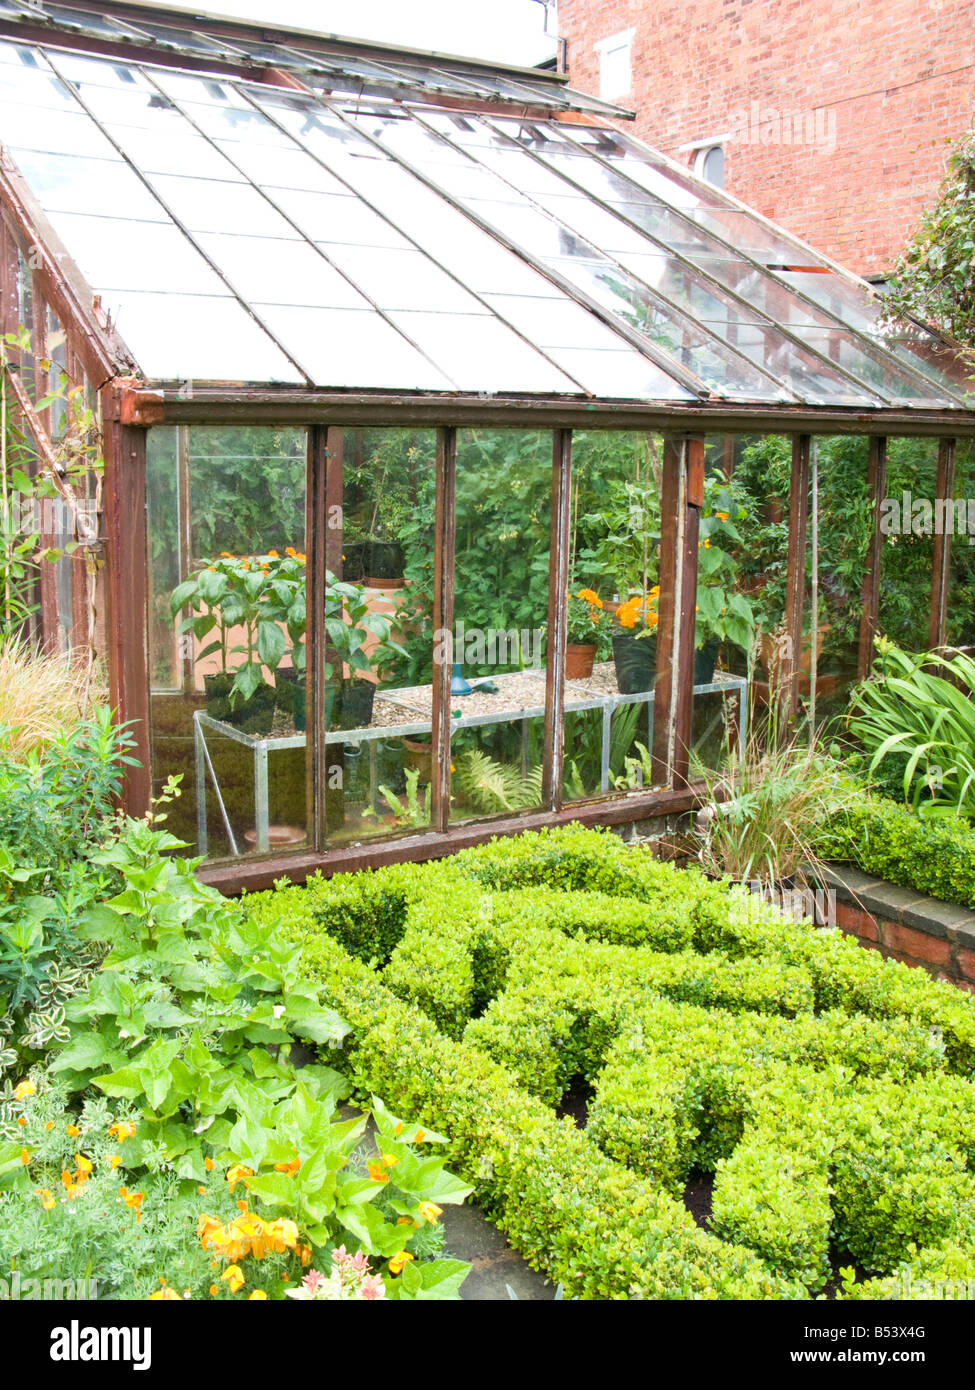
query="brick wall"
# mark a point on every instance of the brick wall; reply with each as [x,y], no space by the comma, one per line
[894,80]
[904,925]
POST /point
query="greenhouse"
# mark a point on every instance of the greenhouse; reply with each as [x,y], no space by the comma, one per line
[445,461]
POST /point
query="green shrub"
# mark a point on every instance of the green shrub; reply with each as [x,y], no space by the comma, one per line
[715,1034]
[890,840]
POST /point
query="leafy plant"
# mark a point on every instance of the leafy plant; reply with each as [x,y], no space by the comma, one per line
[487,785]
[922,708]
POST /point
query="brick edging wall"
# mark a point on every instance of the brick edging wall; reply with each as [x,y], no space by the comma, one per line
[905,925]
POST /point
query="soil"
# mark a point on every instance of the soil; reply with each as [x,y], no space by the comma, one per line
[576,1101]
[698,1191]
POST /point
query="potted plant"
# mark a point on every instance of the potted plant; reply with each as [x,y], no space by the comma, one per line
[635,642]
[349,622]
[587,630]
[227,596]
[724,614]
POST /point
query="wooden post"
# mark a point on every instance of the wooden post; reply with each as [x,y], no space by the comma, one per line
[558,590]
[680,503]
[443,621]
[787,666]
[126,599]
[941,561]
[870,589]
[327,541]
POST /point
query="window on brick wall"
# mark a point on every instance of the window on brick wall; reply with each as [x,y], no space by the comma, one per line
[615,65]
[709,164]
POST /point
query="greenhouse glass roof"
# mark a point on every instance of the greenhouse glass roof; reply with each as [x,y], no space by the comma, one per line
[238,232]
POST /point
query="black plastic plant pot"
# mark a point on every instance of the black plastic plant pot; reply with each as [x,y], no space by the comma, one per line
[255,715]
[292,695]
[355,709]
[355,557]
[704,659]
[217,690]
[636,662]
[386,560]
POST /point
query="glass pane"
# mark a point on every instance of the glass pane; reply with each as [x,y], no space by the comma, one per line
[504,497]
[179,337]
[359,348]
[961,594]
[25,127]
[68,184]
[379,667]
[872,367]
[614,593]
[907,551]
[404,280]
[331,217]
[228,702]
[481,354]
[114,254]
[266,270]
[206,205]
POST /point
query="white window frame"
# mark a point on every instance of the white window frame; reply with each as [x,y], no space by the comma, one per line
[615,51]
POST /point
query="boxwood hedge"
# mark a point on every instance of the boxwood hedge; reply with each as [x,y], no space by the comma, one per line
[828,1090]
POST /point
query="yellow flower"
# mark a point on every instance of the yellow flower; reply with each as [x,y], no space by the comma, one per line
[289,1168]
[73,1130]
[49,1125]
[430,1211]
[273,554]
[24,1157]
[390,1160]
[122,1130]
[397,1263]
[234,1278]
[419,1136]
[706,543]
[238,1173]
[24,1089]
[84,1166]
[47,1198]
[208,1164]
[591,597]
[399,1129]
[166,1296]
[257,1294]
[113,1160]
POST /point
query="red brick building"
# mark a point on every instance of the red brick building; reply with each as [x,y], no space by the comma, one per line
[832,117]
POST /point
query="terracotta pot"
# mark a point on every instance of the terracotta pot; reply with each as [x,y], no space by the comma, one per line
[386,586]
[278,836]
[579,657]
[418,756]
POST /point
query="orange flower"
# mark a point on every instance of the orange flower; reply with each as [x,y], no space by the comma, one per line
[289,1168]
[274,554]
[49,1125]
[25,1157]
[257,1294]
[208,1164]
[377,1173]
[397,1263]
[21,1120]
[233,1277]
[213,1290]
[73,1130]
[122,1130]
[166,1296]
[47,1198]
[722,516]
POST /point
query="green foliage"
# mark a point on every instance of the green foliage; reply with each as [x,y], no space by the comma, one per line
[934,278]
[921,709]
[56,812]
[189,1025]
[715,1035]
[888,839]
[487,785]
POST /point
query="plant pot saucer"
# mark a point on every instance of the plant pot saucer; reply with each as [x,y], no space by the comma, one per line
[277,836]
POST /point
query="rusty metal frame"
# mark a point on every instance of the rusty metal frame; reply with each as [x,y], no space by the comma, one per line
[126,589]
[795,582]
[870,588]
[941,558]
